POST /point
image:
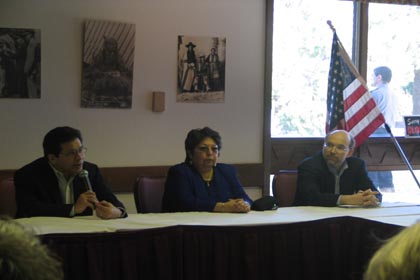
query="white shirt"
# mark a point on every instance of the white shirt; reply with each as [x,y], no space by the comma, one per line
[66,188]
[386,102]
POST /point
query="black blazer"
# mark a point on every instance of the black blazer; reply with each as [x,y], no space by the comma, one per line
[38,193]
[316,184]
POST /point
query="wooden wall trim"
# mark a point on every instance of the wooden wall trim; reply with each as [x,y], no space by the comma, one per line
[6,173]
[379,153]
[121,179]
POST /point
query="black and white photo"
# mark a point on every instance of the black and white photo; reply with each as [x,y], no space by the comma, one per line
[20,63]
[108,58]
[201,69]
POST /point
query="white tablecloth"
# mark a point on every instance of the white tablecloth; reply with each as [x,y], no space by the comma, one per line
[398,214]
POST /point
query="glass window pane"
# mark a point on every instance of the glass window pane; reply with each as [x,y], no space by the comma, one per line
[394,40]
[301,56]
[405,188]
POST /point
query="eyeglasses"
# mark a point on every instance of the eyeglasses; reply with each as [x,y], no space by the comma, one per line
[339,148]
[73,153]
[206,149]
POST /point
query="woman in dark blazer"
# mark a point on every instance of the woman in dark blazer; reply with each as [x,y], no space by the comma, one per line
[202,184]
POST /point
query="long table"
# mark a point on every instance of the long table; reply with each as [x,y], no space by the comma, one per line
[288,243]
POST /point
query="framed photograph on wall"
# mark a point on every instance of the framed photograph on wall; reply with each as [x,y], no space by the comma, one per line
[201,69]
[108,58]
[20,63]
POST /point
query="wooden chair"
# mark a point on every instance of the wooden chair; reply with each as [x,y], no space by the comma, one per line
[148,193]
[7,197]
[284,187]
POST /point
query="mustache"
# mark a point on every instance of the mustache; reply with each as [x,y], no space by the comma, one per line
[331,157]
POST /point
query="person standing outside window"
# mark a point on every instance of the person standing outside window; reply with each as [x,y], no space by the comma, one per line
[385,101]
[383,96]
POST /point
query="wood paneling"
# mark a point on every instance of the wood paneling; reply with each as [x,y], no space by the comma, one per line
[378,153]
[6,173]
[121,179]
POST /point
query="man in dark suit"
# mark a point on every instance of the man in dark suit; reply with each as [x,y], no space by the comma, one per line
[52,185]
[333,177]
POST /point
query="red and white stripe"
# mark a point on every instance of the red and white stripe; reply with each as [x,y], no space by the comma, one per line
[361,114]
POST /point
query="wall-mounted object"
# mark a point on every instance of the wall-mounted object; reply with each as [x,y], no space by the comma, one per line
[201,69]
[158,104]
[20,63]
[108,63]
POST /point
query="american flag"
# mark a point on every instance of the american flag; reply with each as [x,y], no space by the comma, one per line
[349,103]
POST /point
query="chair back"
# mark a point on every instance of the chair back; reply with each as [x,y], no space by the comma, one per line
[284,187]
[148,193]
[7,197]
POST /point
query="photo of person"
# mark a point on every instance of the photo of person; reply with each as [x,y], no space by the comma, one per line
[108,59]
[201,69]
[20,63]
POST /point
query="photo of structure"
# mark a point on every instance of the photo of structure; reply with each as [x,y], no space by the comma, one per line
[108,58]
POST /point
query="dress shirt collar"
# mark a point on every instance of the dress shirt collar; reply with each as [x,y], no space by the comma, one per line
[65,185]
[336,172]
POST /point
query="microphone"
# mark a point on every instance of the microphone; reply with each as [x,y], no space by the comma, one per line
[84,176]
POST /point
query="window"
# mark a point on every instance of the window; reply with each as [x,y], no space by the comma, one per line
[302,43]
[301,56]
[393,41]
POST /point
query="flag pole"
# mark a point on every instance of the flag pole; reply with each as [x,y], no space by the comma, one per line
[401,152]
[331,26]
[388,129]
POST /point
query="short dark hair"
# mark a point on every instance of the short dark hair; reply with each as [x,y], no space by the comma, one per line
[195,136]
[385,72]
[57,136]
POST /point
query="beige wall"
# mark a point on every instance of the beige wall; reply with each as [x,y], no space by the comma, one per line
[138,136]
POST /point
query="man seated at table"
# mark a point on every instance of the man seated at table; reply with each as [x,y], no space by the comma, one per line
[56,184]
[333,177]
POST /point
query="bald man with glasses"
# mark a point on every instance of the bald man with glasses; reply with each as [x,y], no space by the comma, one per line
[333,177]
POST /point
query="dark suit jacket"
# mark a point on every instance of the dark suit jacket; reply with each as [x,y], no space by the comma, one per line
[38,194]
[316,184]
[185,190]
